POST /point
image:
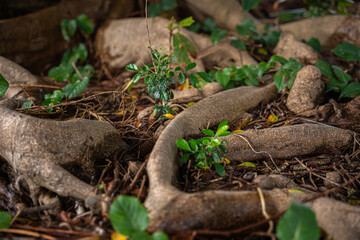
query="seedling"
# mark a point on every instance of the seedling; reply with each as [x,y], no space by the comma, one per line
[77,76]
[4,85]
[206,151]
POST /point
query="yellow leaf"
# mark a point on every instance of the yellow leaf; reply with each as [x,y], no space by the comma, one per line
[247,164]
[190,103]
[238,131]
[118,236]
[295,190]
[121,112]
[169,116]
[273,118]
[206,168]
[227,161]
[134,96]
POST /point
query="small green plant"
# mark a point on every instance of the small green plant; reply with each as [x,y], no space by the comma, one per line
[339,81]
[130,218]
[69,70]
[5,220]
[298,223]
[4,85]
[250,75]
[269,37]
[206,151]
[159,74]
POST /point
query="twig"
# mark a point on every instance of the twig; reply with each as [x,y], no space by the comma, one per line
[263,209]
[28,233]
[148,35]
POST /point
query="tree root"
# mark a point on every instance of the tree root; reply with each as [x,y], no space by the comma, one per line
[36,149]
[171,209]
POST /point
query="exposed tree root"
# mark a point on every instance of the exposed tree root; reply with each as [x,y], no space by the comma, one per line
[37,148]
[171,209]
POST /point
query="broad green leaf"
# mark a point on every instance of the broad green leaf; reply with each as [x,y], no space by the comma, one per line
[4,85]
[208,132]
[180,51]
[68,27]
[216,142]
[291,15]
[206,77]
[220,169]
[209,25]
[350,91]
[249,4]
[246,28]
[194,80]
[81,51]
[298,223]
[184,145]
[26,104]
[187,22]
[85,24]
[128,216]
[217,35]
[216,157]
[279,80]
[341,75]
[276,58]
[193,144]
[205,140]
[178,69]
[73,89]
[224,123]
[224,134]
[222,148]
[348,51]
[56,95]
[261,68]
[271,38]
[59,73]
[141,236]
[222,129]
[5,220]
[325,69]
[159,236]
[136,77]
[154,10]
[247,164]
[187,44]
[314,43]
[342,4]
[223,78]
[87,70]
[190,66]
[240,44]
[251,78]
[181,78]
[131,67]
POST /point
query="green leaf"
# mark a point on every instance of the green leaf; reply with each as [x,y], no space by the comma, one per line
[314,43]
[167,5]
[180,51]
[271,38]
[224,123]
[194,80]
[247,27]
[222,129]
[205,140]
[187,22]
[209,25]
[4,85]
[190,66]
[247,164]
[224,134]
[5,220]
[141,236]
[223,77]
[240,44]
[348,51]
[59,73]
[131,67]
[249,4]
[159,236]
[216,157]
[279,80]
[276,58]
[220,169]
[193,144]
[251,78]
[206,77]
[350,91]
[26,104]
[81,51]
[298,223]
[68,27]
[187,44]
[325,69]
[73,89]
[56,95]
[128,216]
[184,145]
[181,78]
[208,132]
[261,68]
[136,77]
[85,24]
[341,75]
[217,35]
[222,148]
